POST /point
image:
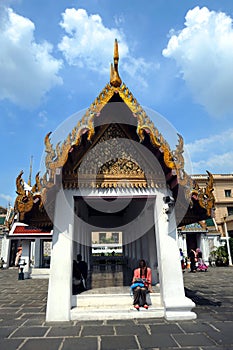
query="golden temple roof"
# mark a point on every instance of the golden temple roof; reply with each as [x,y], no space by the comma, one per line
[56,156]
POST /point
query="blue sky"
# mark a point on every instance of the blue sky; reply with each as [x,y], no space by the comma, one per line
[176,57]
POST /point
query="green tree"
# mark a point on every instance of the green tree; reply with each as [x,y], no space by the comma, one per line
[220,255]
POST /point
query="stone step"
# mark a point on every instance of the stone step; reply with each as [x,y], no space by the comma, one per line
[113,306]
[112,301]
[114,314]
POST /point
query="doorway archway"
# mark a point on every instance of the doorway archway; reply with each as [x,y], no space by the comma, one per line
[133,217]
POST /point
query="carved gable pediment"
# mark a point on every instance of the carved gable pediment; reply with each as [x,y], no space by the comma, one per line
[114,160]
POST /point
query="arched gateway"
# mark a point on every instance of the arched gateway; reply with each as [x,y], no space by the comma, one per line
[115,172]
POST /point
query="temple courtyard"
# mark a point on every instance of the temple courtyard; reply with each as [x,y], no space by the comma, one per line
[23,326]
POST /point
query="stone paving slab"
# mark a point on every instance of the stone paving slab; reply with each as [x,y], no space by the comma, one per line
[91,343]
[119,343]
[23,326]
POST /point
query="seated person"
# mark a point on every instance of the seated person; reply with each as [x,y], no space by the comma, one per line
[143,275]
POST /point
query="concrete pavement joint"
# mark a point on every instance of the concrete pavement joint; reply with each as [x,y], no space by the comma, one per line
[212,292]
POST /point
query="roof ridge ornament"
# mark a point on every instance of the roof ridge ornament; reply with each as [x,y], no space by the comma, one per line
[115,79]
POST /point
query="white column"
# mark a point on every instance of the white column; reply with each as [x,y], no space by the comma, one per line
[6,249]
[176,305]
[152,256]
[228,244]
[37,253]
[60,280]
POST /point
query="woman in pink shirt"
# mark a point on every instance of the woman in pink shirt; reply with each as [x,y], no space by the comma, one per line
[141,274]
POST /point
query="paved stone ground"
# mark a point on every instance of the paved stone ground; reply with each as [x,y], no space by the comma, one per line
[23,327]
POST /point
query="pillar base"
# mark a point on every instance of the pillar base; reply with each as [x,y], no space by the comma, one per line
[179,309]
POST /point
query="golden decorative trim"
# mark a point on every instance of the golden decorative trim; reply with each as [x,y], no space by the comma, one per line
[205,195]
[115,79]
[26,198]
[57,157]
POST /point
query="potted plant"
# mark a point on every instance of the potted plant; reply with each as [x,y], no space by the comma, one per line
[220,256]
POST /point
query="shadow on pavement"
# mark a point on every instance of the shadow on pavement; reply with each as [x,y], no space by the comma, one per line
[199,300]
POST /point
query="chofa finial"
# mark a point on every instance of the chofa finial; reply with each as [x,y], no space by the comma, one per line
[115,79]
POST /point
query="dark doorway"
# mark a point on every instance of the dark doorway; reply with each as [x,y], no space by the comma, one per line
[191,240]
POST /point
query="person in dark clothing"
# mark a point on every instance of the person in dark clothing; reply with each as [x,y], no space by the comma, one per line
[82,266]
[182,259]
[77,285]
[192,257]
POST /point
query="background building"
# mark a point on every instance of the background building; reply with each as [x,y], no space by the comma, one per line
[214,232]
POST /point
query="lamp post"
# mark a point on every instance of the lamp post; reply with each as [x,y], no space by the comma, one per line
[227,238]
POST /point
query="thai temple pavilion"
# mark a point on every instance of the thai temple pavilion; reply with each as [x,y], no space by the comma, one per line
[113,172]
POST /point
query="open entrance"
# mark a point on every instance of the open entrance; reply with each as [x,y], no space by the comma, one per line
[112,234]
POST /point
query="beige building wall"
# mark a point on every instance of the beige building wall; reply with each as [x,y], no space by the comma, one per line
[96,236]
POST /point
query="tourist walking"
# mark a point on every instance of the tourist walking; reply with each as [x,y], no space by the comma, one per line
[182,260]
[192,258]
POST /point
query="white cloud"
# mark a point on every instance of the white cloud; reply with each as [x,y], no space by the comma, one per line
[217,164]
[27,69]
[42,119]
[203,50]
[6,197]
[213,153]
[88,43]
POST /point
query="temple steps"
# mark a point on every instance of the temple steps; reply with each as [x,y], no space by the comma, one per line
[112,306]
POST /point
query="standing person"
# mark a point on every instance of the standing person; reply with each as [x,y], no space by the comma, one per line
[142,280]
[18,256]
[192,257]
[77,285]
[82,266]
[199,255]
[182,259]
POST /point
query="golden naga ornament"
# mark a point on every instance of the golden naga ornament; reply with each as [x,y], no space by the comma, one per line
[205,195]
[26,197]
[24,200]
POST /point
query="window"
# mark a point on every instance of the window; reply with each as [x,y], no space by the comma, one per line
[115,237]
[227,193]
[230,210]
[102,237]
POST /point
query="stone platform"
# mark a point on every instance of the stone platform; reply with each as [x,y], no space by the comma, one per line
[23,326]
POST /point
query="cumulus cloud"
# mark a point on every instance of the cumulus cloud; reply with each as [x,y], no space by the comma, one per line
[217,164]
[28,70]
[42,119]
[203,51]
[6,197]
[213,153]
[88,43]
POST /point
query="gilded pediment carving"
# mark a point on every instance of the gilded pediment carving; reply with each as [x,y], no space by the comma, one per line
[121,167]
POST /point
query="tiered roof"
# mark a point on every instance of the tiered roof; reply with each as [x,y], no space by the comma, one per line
[63,161]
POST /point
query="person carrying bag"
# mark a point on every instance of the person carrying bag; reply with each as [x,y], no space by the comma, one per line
[141,285]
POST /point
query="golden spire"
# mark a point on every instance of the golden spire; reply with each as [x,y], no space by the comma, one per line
[30,173]
[115,79]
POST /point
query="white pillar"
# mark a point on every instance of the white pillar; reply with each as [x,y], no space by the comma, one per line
[152,256]
[176,305]
[228,245]
[60,280]
[37,262]
[6,249]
